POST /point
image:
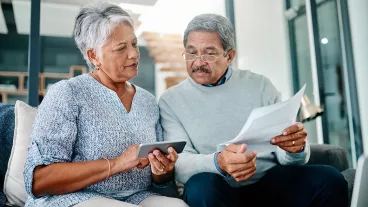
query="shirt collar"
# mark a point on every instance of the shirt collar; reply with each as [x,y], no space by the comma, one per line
[223,79]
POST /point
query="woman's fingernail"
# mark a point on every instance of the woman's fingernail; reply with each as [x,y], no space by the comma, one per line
[284,133]
[156,152]
[273,141]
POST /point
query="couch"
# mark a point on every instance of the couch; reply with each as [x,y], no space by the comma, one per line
[320,154]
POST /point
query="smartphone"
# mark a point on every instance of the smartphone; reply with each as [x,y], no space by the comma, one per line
[145,149]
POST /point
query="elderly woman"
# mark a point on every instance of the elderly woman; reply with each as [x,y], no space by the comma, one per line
[84,143]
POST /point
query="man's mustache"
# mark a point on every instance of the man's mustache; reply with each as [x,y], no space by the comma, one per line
[201,68]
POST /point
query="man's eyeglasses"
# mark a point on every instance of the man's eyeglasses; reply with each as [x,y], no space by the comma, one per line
[205,58]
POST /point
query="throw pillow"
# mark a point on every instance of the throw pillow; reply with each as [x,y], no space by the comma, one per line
[14,187]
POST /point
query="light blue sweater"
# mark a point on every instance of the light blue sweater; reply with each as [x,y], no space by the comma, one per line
[207,116]
[82,120]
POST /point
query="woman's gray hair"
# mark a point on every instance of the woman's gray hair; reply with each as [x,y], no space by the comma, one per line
[94,24]
[213,23]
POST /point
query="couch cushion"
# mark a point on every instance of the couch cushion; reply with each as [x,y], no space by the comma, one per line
[14,187]
[325,154]
[6,138]
[349,176]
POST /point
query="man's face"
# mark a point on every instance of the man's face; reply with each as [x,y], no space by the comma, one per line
[207,43]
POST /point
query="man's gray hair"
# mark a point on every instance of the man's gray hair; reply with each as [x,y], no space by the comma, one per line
[94,24]
[213,23]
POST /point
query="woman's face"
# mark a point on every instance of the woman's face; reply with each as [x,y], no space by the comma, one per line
[120,56]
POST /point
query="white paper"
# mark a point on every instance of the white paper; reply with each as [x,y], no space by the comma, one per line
[264,123]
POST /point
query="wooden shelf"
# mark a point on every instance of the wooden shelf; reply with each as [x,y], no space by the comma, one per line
[173,69]
[166,50]
[169,60]
[157,36]
[172,81]
[42,77]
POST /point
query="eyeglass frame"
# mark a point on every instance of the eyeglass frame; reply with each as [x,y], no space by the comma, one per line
[201,56]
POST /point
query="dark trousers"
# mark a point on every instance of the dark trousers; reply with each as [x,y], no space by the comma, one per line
[307,185]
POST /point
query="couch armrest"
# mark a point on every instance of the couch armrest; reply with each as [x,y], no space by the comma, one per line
[329,155]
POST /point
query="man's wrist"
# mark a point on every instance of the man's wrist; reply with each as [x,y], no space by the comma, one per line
[302,150]
[218,166]
[162,179]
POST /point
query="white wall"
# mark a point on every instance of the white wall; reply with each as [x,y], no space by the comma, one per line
[263,45]
[262,41]
[172,17]
[358,12]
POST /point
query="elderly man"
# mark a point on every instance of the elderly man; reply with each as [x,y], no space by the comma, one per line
[211,107]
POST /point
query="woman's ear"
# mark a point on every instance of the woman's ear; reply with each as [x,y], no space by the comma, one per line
[93,57]
[230,56]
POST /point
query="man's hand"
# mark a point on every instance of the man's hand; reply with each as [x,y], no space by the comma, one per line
[236,162]
[162,164]
[292,139]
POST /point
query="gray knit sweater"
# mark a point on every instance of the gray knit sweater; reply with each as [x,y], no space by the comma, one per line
[208,116]
[81,120]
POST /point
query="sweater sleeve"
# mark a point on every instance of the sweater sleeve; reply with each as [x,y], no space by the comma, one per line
[190,162]
[159,135]
[271,96]
[54,131]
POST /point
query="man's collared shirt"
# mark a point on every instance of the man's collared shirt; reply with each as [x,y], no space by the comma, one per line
[223,79]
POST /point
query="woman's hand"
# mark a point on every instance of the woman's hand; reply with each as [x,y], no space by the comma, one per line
[129,160]
[162,164]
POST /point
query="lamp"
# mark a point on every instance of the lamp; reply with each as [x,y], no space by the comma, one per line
[308,110]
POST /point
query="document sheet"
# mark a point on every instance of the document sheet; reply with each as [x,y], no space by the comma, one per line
[264,123]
